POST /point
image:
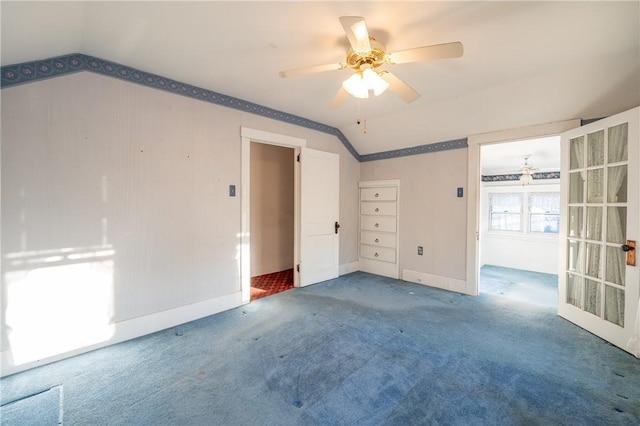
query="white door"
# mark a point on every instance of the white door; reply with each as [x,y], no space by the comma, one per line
[597,289]
[319,208]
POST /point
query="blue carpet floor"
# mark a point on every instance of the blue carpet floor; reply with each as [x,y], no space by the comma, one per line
[519,285]
[361,349]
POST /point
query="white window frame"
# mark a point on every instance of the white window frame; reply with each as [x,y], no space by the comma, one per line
[530,213]
[525,213]
[492,212]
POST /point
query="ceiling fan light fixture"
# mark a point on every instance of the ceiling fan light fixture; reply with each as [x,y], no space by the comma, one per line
[355,86]
[361,82]
[525,178]
[374,82]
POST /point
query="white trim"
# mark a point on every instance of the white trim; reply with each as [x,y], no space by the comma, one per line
[272,138]
[249,135]
[348,268]
[437,281]
[473,184]
[136,327]
[378,183]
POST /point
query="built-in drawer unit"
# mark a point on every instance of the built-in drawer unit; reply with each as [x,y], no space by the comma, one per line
[379,206]
[383,254]
[378,239]
[378,194]
[378,223]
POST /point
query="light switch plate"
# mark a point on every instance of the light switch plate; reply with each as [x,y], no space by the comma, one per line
[232,190]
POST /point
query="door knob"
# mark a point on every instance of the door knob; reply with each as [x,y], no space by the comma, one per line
[337,226]
[630,248]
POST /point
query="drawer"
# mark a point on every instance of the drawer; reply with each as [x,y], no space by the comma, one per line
[378,223]
[378,239]
[378,194]
[378,253]
[378,208]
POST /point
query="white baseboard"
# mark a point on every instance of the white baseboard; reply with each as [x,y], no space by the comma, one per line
[130,329]
[348,268]
[437,281]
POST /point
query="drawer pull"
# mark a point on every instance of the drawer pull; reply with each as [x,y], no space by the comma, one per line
[377,209]
[377,240]
[377,225]
[376,255]
[377,195]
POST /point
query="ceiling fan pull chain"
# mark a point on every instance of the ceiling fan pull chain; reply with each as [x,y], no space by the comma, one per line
[364,115]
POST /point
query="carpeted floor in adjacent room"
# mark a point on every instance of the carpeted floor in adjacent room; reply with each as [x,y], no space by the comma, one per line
[357,350]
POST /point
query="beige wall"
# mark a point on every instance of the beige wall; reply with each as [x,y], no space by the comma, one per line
[430,213]
[136,180]
[272,208]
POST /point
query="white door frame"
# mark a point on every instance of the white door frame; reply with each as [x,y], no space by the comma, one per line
[473,183]
[252,135]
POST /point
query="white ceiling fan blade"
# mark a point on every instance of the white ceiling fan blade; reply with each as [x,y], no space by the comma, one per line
[399,87]
[340,98]
[312,69]
[427,53]
[356,30]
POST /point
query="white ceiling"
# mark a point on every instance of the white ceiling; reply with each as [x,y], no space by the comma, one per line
[506,158]
[525,63]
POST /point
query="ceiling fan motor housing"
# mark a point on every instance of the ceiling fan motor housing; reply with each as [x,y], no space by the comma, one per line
[373,58]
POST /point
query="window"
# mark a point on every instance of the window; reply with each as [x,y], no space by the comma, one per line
[544,212]
[505,212]
[541,212]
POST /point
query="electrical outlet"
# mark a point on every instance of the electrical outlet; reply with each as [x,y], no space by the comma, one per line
[419,250]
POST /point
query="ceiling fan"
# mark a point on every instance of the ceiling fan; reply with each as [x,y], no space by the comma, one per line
[366,57]
[526,171]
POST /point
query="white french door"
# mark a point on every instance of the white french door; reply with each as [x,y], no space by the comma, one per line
[319,215]
[597,289]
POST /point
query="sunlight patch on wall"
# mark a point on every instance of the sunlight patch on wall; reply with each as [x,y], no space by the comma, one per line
[57,301]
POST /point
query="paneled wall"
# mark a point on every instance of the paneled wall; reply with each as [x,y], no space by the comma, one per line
[116,208]
[431,215]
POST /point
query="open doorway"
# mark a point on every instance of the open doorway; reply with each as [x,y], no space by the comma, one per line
[519,214]
[272,216]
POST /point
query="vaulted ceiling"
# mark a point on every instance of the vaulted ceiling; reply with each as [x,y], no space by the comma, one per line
[524,63]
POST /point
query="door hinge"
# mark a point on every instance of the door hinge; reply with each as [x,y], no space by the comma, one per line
[298,158]
[298,267]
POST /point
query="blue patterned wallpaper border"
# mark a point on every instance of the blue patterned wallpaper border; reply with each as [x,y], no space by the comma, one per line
[516,176]
[28,72]
[420,149]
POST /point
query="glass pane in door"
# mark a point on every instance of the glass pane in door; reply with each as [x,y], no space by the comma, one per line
[595,148]
[574,290]
[592,297]
[576,221]
[614,305]
[593,260]
[616,224]
[617,184]
[576,257]
[595,185]
[576,147]
[594,223]
[616,265]
[576,187]
[618,150]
